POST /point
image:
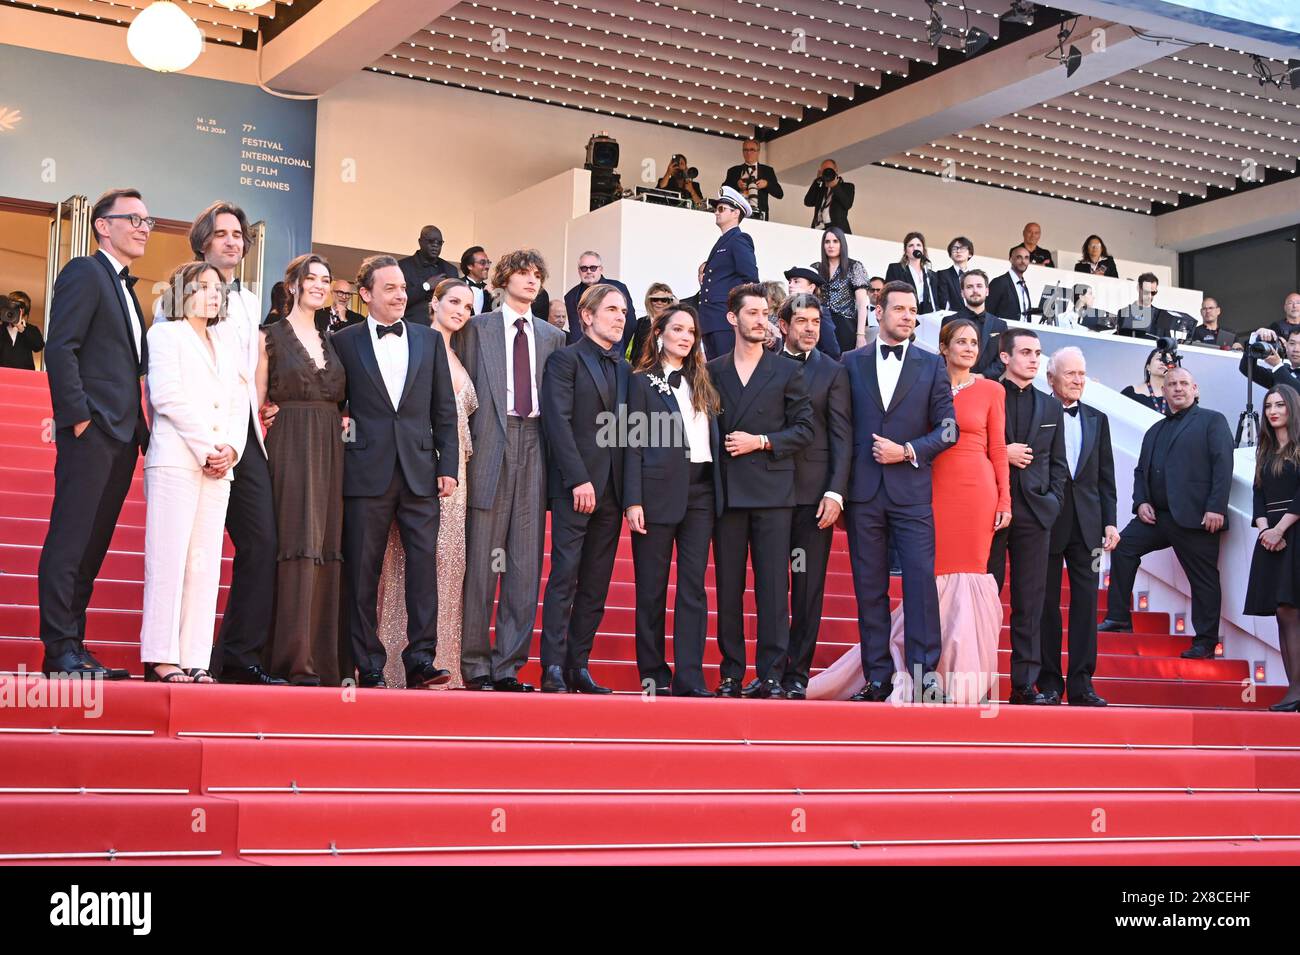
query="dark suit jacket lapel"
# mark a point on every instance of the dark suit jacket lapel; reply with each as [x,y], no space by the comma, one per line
[868,358]
[1181,425]
[907,377]
[597,375]
[366,353]
[1036,416]
[1089,426]
[115,281]
[728,383]
[414,355]
[765,369]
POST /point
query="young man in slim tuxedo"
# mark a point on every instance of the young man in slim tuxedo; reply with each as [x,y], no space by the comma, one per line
[821,477]
[903,419]
[505,351]
[401,456]
[586,388]
[220,236]
[1036,453]
[1085,528]
[766,419]
[95,356]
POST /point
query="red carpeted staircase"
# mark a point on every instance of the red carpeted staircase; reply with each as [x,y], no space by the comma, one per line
[1180,769]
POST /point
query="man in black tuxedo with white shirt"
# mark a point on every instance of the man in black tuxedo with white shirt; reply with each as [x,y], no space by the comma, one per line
[947,282]
[475,265]
[95,356]
[1083,530]
[753,179]
[821,477]
[1009,293]
[401,456]
[975,289]
[1039,468]
[766,420]
[584,391]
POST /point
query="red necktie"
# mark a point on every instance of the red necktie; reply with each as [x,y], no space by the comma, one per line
[523,373]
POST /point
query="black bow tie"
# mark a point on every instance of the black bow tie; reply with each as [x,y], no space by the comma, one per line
[382,330]
[1073,411]
[126,276]
[609,354]
[480,285]
[802,357]
[895,350]
[674,379]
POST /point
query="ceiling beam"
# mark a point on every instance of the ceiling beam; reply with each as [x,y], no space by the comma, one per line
[989,86]
[336,38]
[1197,25]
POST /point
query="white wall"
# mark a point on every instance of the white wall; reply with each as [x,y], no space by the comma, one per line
[891,202]
[427,153]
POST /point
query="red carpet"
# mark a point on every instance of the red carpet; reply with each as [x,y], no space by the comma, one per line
[1182,773]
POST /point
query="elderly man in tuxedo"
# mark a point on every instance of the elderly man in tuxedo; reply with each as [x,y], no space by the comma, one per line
[903,419]
[586,389]
[731,263]
[1180,495]
[1083,530]
[766,420]
[402,456]
[95,355]
[505,351]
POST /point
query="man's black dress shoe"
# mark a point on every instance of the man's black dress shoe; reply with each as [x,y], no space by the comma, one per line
[751,688]
[553,680]
[660,691]
[114,673]
[1052,698]
[580,681]
[511,685]
[1026,696]
[699,694]
[796,690]
[873,693]
[479,683]
[1292,707]
[1086,698]
[250,676]
[729,688]
[764,690]
[371,680]
[1199,651]
[78,664]
[930,690]
[1115,626]
[424,675]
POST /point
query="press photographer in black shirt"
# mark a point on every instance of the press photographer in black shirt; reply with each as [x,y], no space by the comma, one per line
[19,341]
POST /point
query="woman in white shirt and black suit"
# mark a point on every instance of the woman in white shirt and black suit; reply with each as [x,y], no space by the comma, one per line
[672,492]
[199,408]
[914,268]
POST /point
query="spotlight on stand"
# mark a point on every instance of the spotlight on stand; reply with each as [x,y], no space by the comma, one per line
[602,161]
[1022,11]
[976,40]
[1072,60]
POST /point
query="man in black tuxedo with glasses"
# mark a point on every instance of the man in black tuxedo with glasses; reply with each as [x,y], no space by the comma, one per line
[95,356]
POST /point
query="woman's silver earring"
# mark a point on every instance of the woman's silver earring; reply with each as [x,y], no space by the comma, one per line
[660,345]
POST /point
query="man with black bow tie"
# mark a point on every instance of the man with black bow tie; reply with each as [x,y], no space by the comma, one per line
[1083,530]
[95,356]
[475,264]
[903,419]
[584,393]
[766,420]
[753,179]
[821,477]
[1039,469]
[402,455]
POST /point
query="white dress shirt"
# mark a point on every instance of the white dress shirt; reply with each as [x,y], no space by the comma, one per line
[137,321]
[696,423]
[510,316]
[480,299]
[1073,437]
[1022,293]
[393,353]
[887,374]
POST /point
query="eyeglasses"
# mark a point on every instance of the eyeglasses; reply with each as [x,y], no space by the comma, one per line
[482,261]
[135,220]
[589,268]
[665,300]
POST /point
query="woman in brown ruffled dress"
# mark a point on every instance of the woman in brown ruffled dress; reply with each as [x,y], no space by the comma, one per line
[300,374]
[452,306]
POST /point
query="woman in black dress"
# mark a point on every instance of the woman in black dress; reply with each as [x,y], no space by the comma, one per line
[1274,587]
[1153,384]
[1096,259]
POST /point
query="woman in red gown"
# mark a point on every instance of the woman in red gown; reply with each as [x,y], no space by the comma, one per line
[972,499]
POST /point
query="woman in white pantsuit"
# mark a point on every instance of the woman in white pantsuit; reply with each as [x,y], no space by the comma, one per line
[199,411]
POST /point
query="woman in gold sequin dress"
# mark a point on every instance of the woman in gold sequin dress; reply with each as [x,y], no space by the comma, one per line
[451,308]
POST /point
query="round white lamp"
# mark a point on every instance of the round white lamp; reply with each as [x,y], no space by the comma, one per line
[164,38]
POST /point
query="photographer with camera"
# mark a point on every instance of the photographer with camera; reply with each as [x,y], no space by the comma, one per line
[754,180]
[681,177]
[830,197]
[1263,362]
[19,342]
